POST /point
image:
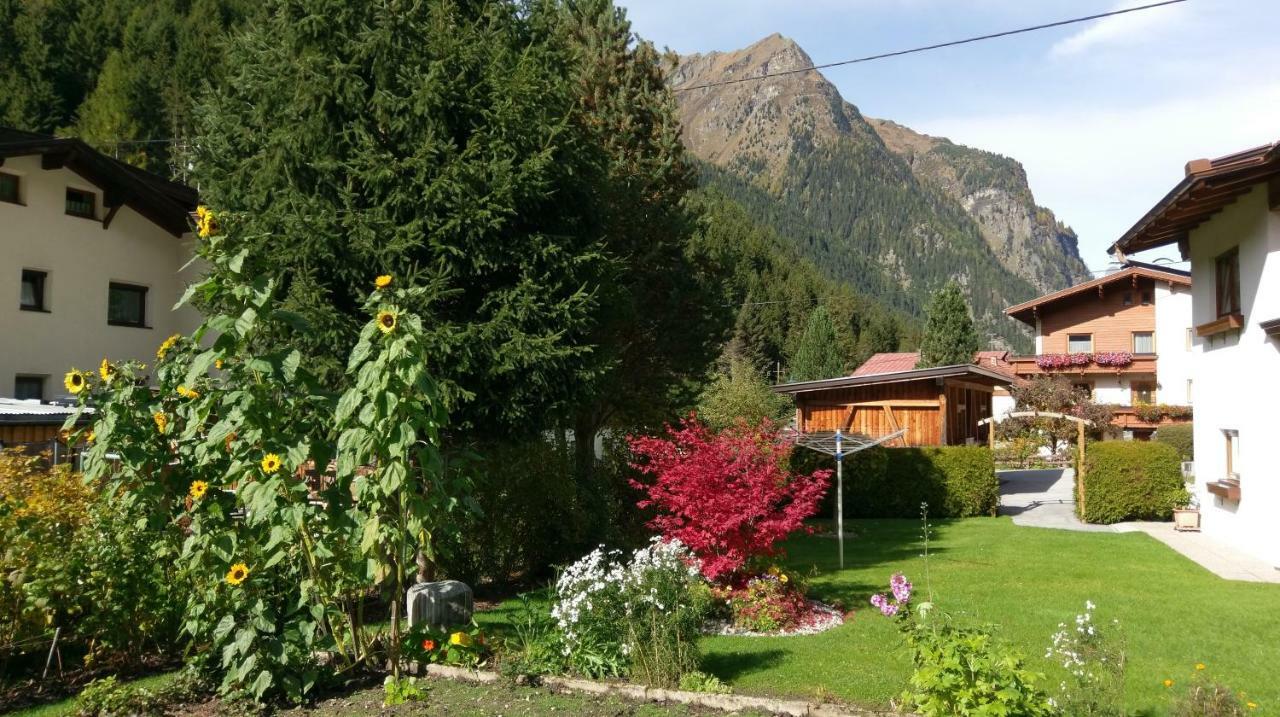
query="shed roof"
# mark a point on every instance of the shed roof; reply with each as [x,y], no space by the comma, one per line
[13,410]
[880,363]
[1208,185]
[166,204]
[967,371]
[1025,312]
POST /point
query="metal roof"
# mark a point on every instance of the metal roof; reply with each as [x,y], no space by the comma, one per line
[33,412]
[983,374]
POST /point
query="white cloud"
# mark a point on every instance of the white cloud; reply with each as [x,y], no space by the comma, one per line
[1121,28]
[1100,169]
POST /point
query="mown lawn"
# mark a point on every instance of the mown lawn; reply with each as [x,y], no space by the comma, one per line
[1024,581]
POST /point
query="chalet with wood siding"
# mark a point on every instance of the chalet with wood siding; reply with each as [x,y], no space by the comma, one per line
[936,406]
[1124,338]
[1224,215]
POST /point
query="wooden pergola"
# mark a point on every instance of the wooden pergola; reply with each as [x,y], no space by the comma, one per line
[1080,426]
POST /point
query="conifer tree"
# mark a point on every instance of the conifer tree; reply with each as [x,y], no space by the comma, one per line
[817,354]
[949,335]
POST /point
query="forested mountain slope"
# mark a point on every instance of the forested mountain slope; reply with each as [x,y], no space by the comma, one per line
[893,223]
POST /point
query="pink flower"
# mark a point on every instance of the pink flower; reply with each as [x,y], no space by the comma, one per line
[889,609]
[901,588]
[878,600]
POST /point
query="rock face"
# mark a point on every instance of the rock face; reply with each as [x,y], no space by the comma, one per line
[892,212]
[1027,238]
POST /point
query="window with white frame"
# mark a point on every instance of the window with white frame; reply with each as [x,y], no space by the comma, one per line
[1080,343]
[1144,342]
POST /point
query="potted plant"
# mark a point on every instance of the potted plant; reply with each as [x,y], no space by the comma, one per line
[1188,517]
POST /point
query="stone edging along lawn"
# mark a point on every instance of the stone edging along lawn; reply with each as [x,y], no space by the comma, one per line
[644,693]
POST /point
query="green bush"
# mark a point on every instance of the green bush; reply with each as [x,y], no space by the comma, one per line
[528,515]
[956,481]
[1131,480]
[1178,435]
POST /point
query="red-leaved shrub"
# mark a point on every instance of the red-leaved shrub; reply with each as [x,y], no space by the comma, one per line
[727,496]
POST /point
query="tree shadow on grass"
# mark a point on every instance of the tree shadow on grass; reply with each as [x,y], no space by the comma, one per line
[876,543]
[729,666]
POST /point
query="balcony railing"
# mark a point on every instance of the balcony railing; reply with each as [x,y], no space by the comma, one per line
[1102,362]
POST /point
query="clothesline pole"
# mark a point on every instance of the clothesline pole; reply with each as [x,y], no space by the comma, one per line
[840,496]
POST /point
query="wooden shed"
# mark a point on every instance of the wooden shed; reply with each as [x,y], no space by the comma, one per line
[31,425]
[937,406]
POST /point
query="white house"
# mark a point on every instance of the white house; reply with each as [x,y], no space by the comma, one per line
[90,257]
[1225,217]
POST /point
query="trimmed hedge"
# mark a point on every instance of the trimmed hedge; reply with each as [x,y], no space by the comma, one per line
[1178,435]
[956,482]
[1131,480]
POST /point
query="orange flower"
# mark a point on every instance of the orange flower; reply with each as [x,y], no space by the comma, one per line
[428,644]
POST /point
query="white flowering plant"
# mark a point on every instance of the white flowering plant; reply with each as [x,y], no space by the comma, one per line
[1093,656]
[639,616]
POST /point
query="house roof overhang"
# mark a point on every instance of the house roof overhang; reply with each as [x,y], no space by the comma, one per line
[1026,311]
[164,203]
[1208,186]
[968,372]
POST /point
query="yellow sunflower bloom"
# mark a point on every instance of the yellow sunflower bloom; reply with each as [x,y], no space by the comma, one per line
[386,322]
[238,574]
[460,638]
[217,363]
[162,421]
[206,223]
[88,437]
[383,281]
[198,489]
[168,344]
[270,463]
[75,381]
[106,371]
[187,392]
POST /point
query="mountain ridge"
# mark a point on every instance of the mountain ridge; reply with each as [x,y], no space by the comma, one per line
[893,212]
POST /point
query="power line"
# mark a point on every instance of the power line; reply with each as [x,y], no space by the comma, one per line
[925,48]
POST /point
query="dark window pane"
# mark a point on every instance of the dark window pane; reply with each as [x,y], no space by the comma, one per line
[79,204]
[8,188]
[28,387]
[32,290]
[127,305]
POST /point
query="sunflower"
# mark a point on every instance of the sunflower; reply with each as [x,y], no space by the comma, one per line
[386,322]
[217,363]
[270,463]
[187,393]
[206,224]
[460,638]
[106,371]
[75,381]
[382,281]
[162,421]
[238,573]
[168,344]
[88,437]
[198,489]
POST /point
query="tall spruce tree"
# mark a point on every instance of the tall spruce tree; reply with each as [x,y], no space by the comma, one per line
[817,354]
[949,335]
[435,142]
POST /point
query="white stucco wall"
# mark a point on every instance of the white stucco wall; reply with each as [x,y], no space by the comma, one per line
[1174,362]
[1237,377]
[81,259]
[1111,389]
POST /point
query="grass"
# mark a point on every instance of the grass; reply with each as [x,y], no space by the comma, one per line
[1023,581]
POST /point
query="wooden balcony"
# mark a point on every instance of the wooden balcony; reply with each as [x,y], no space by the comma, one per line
[1143,364]
[1126,417]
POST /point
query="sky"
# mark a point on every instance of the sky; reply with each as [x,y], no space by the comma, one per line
[1103,115]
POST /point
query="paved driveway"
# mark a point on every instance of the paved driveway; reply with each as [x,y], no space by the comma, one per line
[1042,499]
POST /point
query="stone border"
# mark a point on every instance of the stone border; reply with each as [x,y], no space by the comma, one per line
[644,693]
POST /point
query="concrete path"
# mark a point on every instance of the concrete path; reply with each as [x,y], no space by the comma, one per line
[1046,499]
[1042,499]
